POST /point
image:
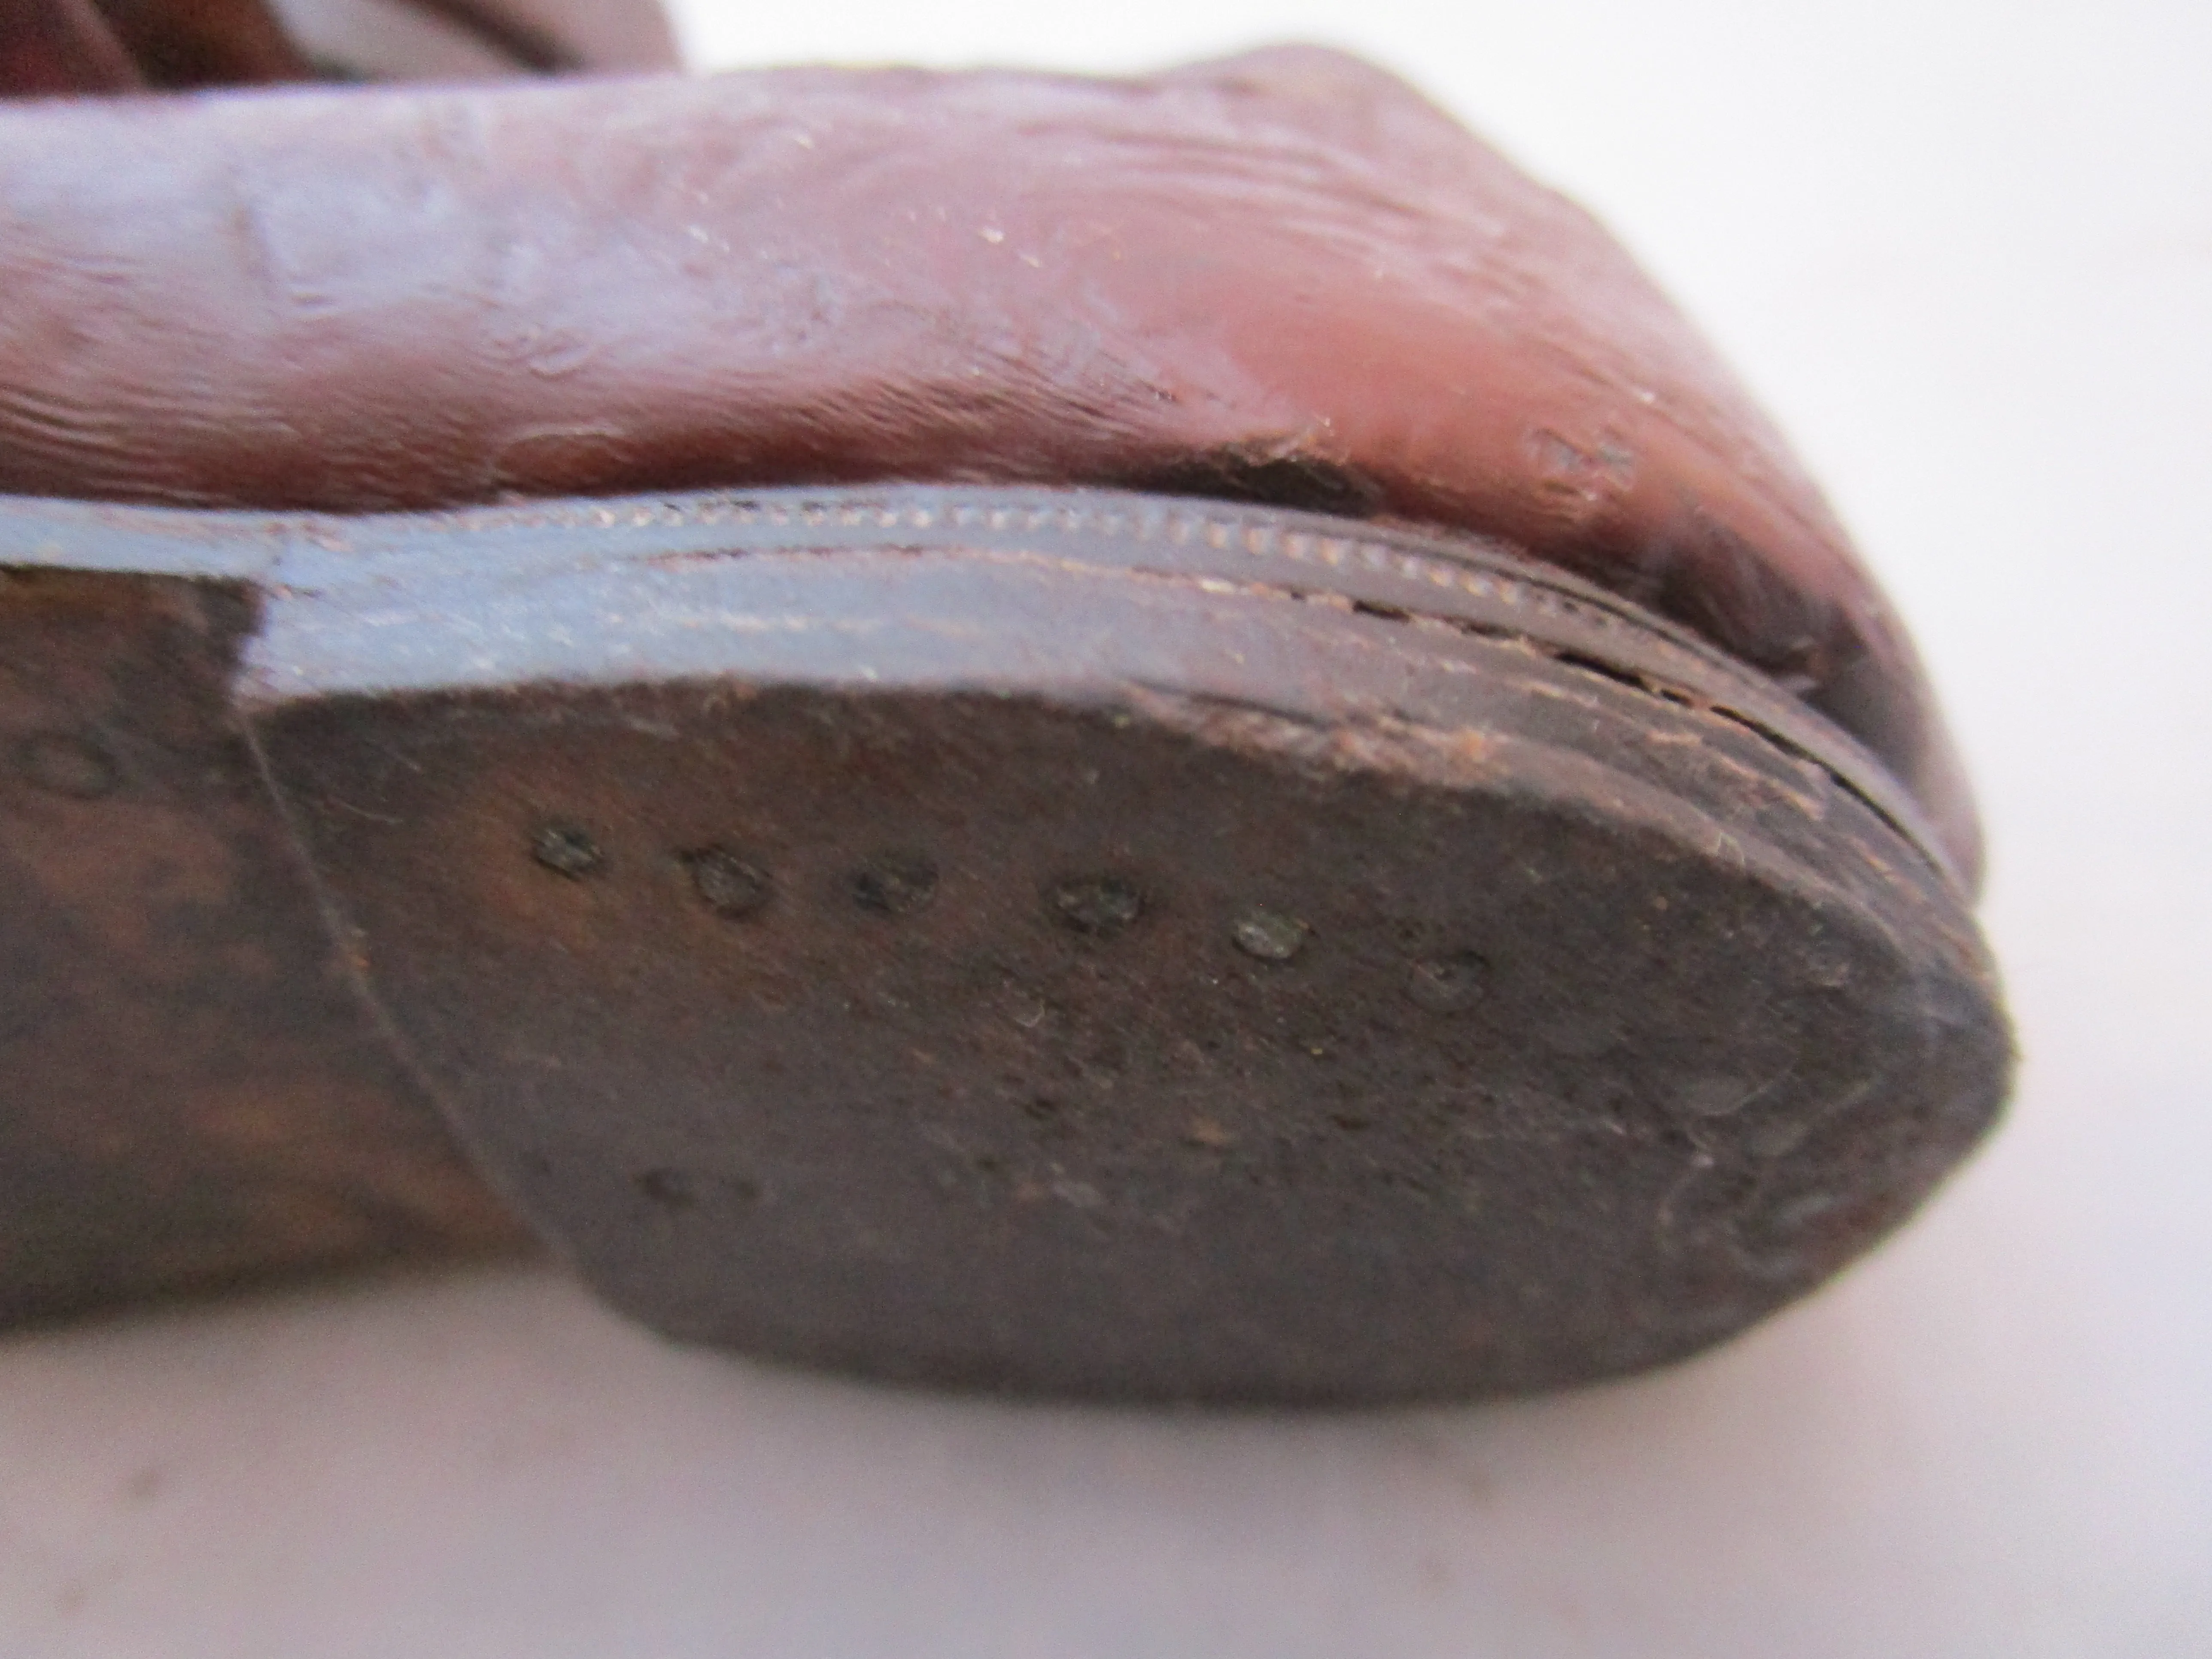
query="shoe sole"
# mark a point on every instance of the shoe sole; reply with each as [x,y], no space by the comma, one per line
[1052,941]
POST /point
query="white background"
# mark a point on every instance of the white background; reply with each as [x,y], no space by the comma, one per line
[1964,251]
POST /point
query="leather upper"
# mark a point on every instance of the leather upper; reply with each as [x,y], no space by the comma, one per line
[1283,276]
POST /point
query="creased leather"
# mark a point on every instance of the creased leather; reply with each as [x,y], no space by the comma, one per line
[1283,275]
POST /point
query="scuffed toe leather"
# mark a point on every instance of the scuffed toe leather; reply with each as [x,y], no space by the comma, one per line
[1283,276]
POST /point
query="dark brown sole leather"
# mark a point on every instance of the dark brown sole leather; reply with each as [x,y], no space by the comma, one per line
[1058,941]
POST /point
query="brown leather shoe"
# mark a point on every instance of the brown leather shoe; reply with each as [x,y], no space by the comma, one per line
[1157,738]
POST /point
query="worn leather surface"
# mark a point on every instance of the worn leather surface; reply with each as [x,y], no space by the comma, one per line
[1285,274]
[191,1094]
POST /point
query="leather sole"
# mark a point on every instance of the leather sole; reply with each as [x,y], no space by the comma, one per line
[1056,941]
